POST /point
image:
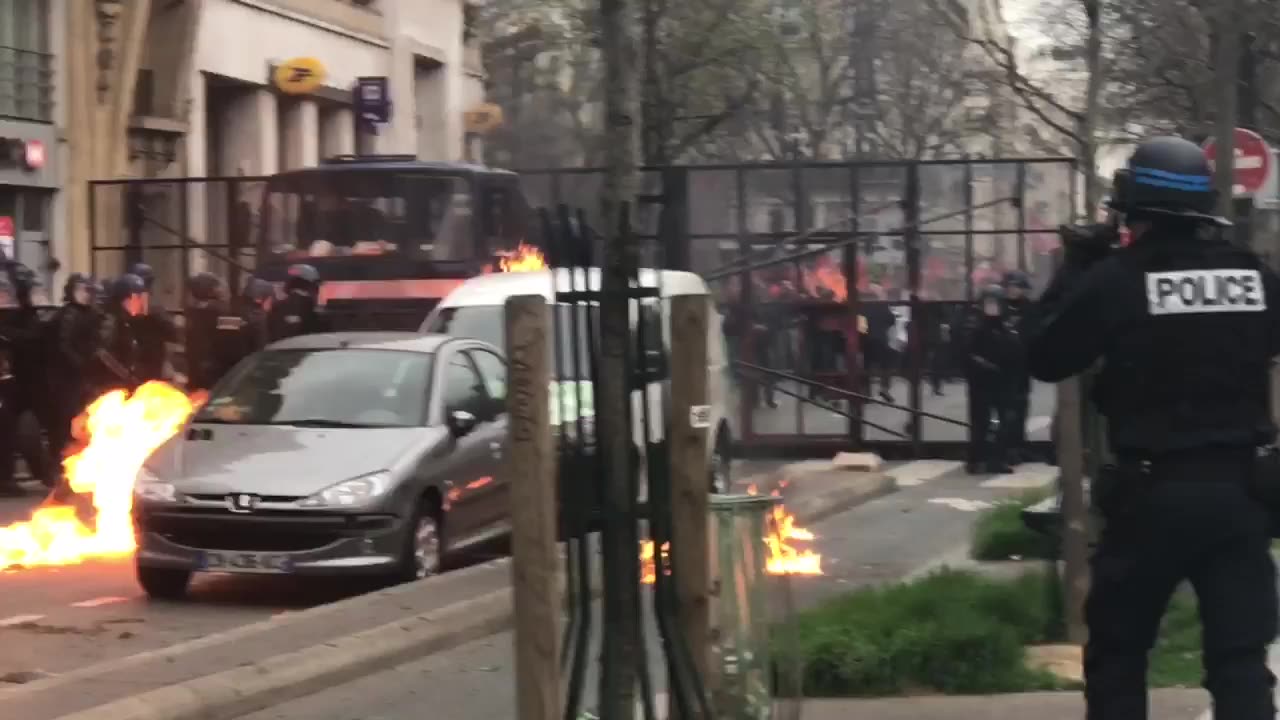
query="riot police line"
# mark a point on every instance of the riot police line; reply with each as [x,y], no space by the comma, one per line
[108,334]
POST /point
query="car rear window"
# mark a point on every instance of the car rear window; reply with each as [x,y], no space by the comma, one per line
[334,388]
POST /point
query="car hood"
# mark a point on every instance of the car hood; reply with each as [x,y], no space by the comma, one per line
[282,460]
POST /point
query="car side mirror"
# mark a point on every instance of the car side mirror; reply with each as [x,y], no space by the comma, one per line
[461,423]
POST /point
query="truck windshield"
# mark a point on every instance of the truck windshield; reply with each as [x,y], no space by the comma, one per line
[334,213]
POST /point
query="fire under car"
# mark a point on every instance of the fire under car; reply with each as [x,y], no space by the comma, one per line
[347,453]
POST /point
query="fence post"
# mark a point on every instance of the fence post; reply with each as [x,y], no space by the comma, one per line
[690,475]
[530,473]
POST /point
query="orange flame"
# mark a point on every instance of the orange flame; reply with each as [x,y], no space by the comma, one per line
[525,258]
[782,558]
[122,431]
[824,279]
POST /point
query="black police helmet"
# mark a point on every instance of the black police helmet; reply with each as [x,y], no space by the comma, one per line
[257,290]
[991,292]
[304,273]
[144,271]
[1167,176]
[75,280]
[126,285]
[1018,279]
[204,286]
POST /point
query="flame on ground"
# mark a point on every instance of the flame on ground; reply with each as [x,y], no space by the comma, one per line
[525,258]
[122,431]
[782,558]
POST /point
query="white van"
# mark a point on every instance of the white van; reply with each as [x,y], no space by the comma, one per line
[475,309]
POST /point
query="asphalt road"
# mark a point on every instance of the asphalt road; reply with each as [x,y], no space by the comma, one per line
[53,620]
[922,524]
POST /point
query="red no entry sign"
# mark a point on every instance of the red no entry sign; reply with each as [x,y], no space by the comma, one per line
[1252,161]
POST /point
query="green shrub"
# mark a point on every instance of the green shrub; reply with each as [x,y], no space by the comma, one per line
[1000,534]
[950,632]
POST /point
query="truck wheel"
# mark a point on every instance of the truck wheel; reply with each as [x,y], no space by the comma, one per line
[164,583]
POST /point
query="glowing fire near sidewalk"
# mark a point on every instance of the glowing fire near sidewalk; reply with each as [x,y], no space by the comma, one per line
[122,431]
[525,258]
[783,558]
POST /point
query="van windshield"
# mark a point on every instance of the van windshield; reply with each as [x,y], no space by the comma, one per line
[486,323]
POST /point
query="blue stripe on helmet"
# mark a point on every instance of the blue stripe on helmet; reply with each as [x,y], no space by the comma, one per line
[1172,185]
[1153,173]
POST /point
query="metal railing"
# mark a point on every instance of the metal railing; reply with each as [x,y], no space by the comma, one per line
[26,84]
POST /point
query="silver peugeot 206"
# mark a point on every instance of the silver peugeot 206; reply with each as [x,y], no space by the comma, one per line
[369,453]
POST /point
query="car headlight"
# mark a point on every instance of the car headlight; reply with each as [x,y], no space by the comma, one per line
[147,486]
[350,493]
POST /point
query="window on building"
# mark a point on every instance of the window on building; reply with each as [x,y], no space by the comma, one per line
[26,67]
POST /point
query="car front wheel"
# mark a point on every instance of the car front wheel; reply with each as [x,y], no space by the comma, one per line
[424,547]
[164,583]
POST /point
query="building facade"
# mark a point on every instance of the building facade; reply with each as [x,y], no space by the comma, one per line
[209,88]
[30,171]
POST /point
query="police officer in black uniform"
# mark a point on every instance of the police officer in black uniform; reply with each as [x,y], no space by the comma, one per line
[989,352]
[1017,302]
[203,309]
[73,364]
[1185,324]
[246,330]
[299,313]
[32,397]
[118,352]
[155,329]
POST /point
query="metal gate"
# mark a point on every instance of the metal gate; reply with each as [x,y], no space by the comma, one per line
[820,269]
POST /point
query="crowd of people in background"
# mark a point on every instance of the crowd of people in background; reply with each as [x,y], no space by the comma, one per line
[109,335]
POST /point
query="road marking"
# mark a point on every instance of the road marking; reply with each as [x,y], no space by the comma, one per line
[99,601]
[962,504]
[1031,476]
[19,620]
[1038,423]
[920,472]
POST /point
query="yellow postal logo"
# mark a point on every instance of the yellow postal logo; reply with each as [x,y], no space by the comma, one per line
[299,76]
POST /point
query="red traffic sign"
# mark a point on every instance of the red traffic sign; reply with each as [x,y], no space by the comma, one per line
[6,226]
[1252,161]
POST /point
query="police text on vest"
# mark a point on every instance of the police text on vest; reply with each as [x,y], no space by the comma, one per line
[1205,291]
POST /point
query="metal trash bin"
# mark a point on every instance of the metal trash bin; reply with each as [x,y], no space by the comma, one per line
[742,672]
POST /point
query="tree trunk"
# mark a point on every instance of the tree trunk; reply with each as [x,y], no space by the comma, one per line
[621,652]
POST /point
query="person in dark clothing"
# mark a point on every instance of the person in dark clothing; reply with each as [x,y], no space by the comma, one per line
[73,363]
[299,313]
[33,397]
[154,330]
[878,355]
[118,350]
[1017,303]
[247,331]
[1186,324]
[205,306]
[990,350]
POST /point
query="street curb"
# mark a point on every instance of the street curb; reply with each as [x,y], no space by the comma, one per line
[267,683]
[862,487]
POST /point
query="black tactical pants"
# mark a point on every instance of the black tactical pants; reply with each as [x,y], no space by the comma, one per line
[1190,520]
[1013,422]
[986,401]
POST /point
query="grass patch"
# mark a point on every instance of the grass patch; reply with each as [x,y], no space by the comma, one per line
[951,632]
[1000,534]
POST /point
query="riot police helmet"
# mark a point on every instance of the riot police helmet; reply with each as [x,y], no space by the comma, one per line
[303,277]
[77,280]
[1016,279]
[991,292]
[257,290]
[204,286]
[146,272]
[1167,176]
[126,286]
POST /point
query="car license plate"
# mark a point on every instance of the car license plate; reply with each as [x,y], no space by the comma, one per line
[245,562]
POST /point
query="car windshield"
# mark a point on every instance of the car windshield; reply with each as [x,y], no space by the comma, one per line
[485,322]
[344,388]
[322,214]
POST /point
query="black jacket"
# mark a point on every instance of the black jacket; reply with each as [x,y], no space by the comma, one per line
[153,332]
[990,350]
[1185,326]
[76,342]
[297,314]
